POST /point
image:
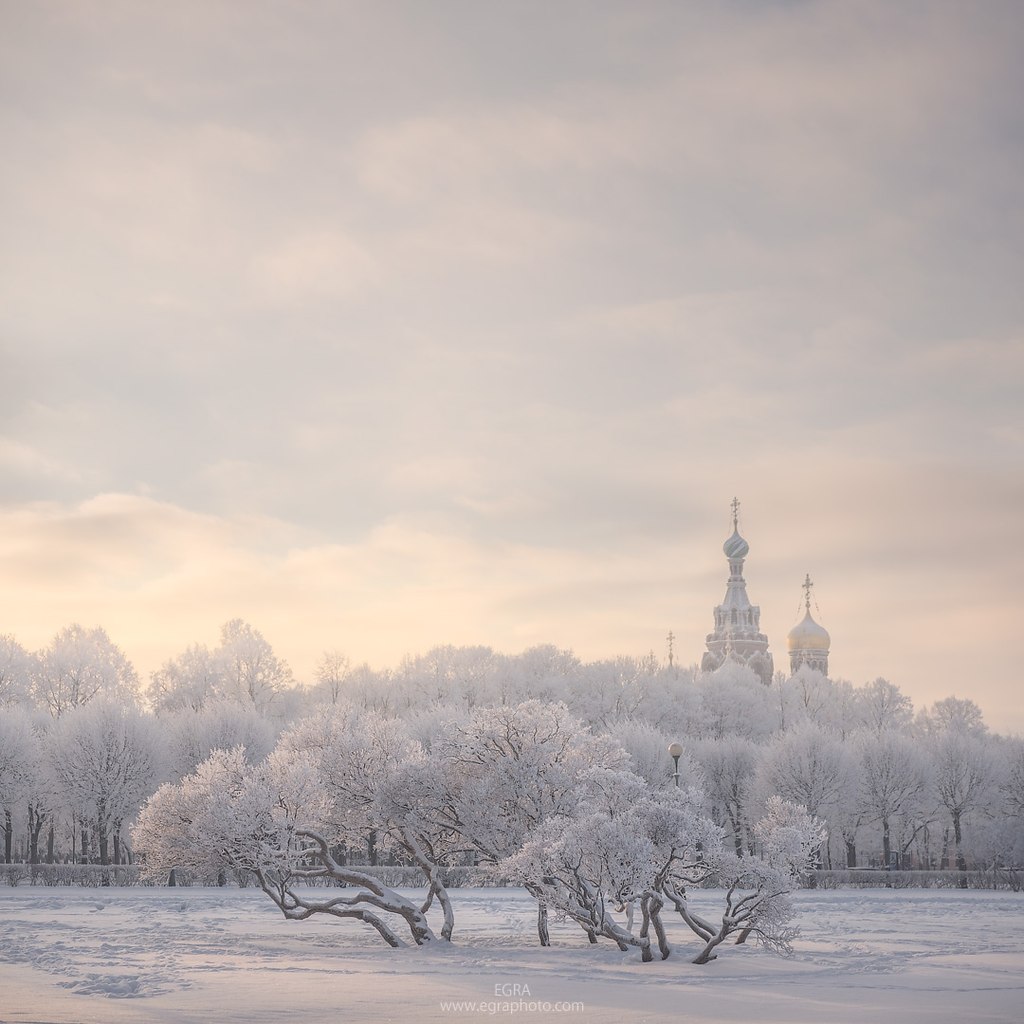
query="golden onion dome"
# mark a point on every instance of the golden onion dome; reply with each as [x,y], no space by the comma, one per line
[807,635]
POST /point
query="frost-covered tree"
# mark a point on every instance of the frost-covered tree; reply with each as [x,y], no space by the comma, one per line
[628,846]
[881,705]
[18,767]
[1000,838]
[332,672]
[189,682]
[729,766]
[734,702]
[191,736]
[1011,784]
[275,822]
[962,773]
[79,665]
[953,714]
[252,672]
[15,673]
[892,774]
[756,889]
[623,846]
[647,746]
[381,784]
[508,770]
[809,695]
[808,766]
[106,759]
[583,866]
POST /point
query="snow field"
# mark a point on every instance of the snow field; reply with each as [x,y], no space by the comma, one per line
[185,956]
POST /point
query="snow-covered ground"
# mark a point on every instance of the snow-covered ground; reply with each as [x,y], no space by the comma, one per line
[226,955]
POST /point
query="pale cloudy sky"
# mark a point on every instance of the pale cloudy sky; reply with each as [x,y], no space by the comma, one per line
[383,325]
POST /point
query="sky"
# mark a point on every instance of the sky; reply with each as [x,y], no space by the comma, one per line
[390,325]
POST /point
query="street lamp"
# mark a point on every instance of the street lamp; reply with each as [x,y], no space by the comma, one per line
[675,750]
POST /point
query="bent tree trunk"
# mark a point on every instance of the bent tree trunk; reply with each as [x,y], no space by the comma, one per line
[435,884]
[740,915]
[650,909]
[543,934]
[584,903]
[366,903]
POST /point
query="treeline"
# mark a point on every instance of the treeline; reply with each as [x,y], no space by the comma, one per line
[83,744]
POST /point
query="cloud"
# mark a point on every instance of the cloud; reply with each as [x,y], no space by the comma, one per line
[901,594]
[24,460]
[364,317]
[315,264]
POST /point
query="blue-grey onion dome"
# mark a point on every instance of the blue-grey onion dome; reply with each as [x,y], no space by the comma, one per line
[735,546]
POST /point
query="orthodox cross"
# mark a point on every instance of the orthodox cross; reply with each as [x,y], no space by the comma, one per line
[671,639]
[807,584]
[735,505]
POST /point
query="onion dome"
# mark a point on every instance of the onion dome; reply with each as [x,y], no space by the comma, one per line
[735,546]
[807,635]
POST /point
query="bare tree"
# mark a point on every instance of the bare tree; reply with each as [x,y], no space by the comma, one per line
[18,766]
[79,665]
[881,705]
[107,759]
[252,672]
[15,673]
[729,766]
[962,773]
[892,776]
[190,681]
[331,673]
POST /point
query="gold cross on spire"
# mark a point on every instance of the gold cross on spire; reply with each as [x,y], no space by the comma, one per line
[807,584]
[735,505]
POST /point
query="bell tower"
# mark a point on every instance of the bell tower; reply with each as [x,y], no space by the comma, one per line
[737,634]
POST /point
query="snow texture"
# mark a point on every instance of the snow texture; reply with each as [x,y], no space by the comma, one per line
[185,956]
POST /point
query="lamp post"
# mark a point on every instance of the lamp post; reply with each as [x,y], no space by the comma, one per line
[675,750]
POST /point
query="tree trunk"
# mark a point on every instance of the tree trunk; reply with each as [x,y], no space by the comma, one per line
[8,835]
[650,905]
[707,954]
[542,924]
[961,861]
[737,833]
[37,823]
[886,846]
[851,853]
[50,842]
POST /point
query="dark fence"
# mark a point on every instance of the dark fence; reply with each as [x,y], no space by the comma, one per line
[120,875]
[885,878]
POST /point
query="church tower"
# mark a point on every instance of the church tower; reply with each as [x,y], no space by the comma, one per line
[808,642]
[737,635]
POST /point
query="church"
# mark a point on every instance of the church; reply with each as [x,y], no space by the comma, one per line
[737,634]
